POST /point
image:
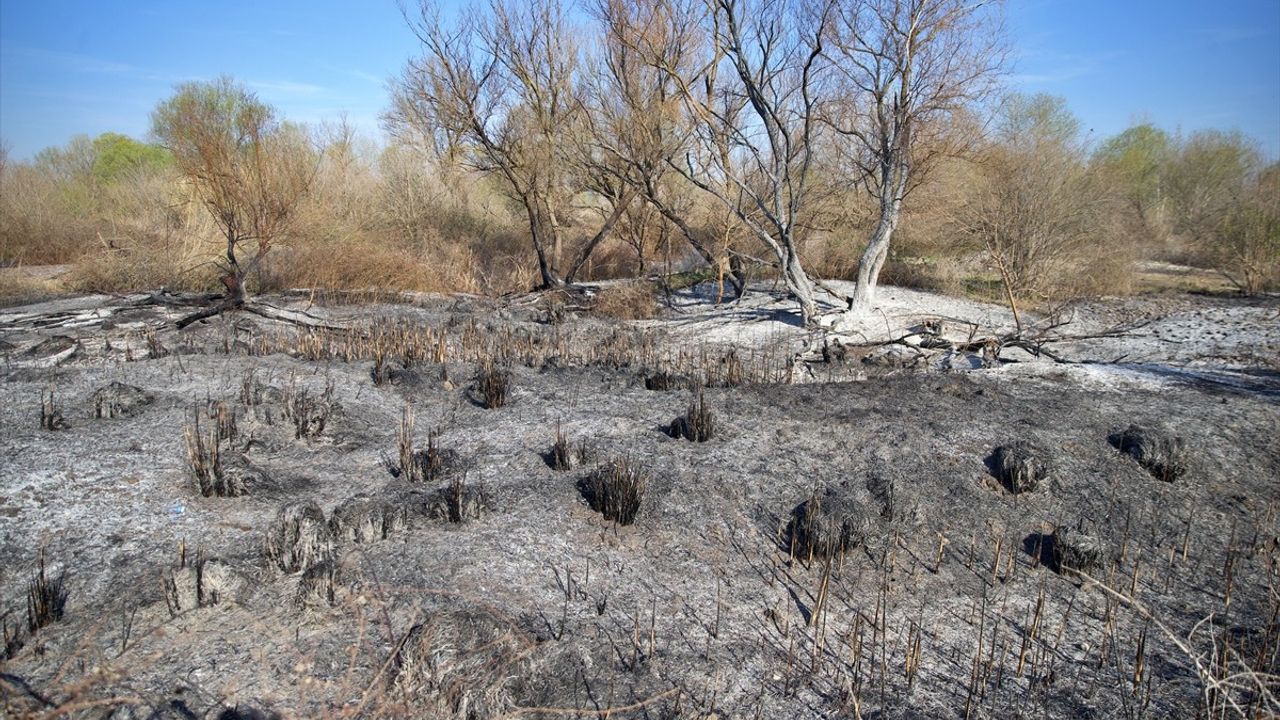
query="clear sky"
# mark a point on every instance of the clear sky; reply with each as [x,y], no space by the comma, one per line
[89,66]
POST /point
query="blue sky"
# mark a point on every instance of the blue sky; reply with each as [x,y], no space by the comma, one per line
[69,67]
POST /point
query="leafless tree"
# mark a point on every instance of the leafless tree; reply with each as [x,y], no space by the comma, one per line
[905,70]
[249,169]
[639,124]
[753,102]
[500,92]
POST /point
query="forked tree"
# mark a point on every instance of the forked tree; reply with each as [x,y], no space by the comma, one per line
[638,125]
[499,92]
[248,169]
[905,69]
[753,100]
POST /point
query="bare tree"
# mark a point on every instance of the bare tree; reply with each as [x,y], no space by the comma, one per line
[906,69]
[499,92]
[753,103]
[248,169]
[639,128]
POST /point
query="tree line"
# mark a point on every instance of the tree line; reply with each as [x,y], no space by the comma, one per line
[751,137]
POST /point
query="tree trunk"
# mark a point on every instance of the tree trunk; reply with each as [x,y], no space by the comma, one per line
[546,271]
[557,246]
[877,251]
[623,203]
[798,283]
[737,278]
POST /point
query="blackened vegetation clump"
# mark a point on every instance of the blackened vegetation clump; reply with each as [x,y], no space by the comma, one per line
[663,381]
[213,474]
[202,583]
[565,455]
[13,640]
[46,604]
[317,587]
[1020,466]
[1075,551]
[364,519]
[615,490]
[50,416]
[458,501]
[698,424]
[299,538]
[309,413]
[46,599]
[1161,453]
[826,525]
[492,384]
[428,464]
[459,664]
[119,400]
[560,457]
[419,466]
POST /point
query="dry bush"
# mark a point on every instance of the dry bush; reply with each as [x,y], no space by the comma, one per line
[399,222]
[1040,211]
[698,424]
[946,276]
[353,263]
[38,225]
[626,301]
[176,264]
[46,599]
[492,384]
[615,490]
[168,240]
[1247,249]
[60,208]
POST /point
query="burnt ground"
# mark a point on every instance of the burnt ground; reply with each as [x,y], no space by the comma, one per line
[947,601]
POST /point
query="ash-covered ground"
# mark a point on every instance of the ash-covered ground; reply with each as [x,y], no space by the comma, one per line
[845,545]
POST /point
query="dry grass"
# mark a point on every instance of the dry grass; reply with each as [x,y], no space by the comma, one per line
[698,424]
[944,276]
[492,385]
[1153,277]
[20,285]
[626,301]
[533,347]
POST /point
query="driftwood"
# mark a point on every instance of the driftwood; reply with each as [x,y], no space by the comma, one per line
[1035,341]
[214,305]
